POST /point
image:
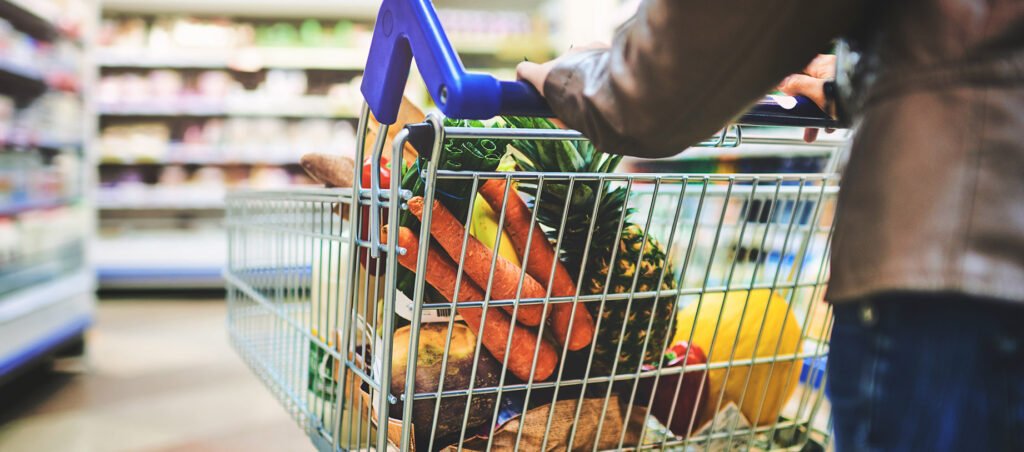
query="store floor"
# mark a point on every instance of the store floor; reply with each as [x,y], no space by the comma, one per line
[160,376]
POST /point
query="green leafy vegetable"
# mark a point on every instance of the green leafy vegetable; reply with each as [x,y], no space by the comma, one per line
[456,194]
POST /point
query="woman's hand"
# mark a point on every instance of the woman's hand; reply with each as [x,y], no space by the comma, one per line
[535,74]
[811,84]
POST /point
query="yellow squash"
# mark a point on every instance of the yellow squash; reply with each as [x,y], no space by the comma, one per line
[773,385]
[484,224]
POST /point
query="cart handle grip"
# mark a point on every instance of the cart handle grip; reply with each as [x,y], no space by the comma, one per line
[407,29]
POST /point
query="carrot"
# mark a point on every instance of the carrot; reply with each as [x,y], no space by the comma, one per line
[538,265]
[441,274]
[449,232]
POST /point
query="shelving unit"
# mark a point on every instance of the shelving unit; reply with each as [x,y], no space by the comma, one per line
[163,130]
[242,60]
[21,82]
[203,111]
[33,18]
[46,287]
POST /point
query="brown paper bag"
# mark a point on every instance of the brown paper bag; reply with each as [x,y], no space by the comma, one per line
[534,423]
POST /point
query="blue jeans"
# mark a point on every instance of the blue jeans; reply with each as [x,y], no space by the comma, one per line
[927,373]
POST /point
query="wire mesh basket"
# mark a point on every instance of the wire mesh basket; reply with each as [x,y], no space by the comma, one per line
[561,306]
[740,267]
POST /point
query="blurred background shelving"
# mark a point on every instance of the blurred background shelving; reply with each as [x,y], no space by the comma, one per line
[195,98]
[46,287]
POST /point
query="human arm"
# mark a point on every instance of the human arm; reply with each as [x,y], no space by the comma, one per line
[681,69]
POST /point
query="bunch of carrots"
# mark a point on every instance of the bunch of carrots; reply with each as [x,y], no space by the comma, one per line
[570,322]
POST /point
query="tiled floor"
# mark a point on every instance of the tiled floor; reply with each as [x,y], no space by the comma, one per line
[159,376]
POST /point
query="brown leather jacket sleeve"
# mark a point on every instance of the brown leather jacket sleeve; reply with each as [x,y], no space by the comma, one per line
[681,69]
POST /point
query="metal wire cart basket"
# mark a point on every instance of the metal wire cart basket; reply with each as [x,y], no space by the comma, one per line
[527,296]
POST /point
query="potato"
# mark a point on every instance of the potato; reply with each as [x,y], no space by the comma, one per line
[457,376]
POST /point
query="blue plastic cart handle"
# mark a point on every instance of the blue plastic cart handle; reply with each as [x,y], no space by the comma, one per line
[407,29]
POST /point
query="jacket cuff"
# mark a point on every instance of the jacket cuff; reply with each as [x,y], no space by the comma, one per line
[565,86]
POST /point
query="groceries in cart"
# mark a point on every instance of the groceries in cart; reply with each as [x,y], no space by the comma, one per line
[548,298]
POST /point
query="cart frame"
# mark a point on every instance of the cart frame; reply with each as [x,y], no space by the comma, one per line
[272,286]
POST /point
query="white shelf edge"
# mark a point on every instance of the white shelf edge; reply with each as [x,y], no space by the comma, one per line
[168,110]
[211,162]
[333,9]
[243,59]
[346,9]
[161,206]
[38,296]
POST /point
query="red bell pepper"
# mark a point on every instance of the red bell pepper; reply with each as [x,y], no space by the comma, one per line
[364,229]
[691,397]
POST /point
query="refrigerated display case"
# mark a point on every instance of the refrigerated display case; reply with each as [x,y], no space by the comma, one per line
[46,287]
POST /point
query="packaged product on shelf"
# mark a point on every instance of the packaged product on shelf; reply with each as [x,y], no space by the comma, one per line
[136,142]
[166,85]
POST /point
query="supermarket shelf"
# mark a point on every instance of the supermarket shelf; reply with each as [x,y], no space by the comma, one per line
[245,59]
[41,318]
[22,207]
[520,5]
[25,16]
[43,143]
[60,337]
[215,155]
[208,110]
[156,278]
[21,82]
[509,50]
[57,145]
[161,259]
[350,9]
[150,205]
[26,271]
[43,294]
[197,161]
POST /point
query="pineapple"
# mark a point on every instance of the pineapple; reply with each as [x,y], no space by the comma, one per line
[557,156]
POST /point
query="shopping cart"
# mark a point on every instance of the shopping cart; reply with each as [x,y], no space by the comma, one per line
[366,353]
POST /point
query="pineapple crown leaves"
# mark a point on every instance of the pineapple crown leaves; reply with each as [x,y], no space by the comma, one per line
[568,156]
[557,155]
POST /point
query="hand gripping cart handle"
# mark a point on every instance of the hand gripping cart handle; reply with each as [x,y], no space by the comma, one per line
[407,29]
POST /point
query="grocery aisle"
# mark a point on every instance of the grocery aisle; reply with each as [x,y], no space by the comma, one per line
[160,376]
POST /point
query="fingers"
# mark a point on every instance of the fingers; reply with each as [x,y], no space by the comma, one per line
[810,135]
[822,66]
[811,84]
[533,74]
[804,85]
